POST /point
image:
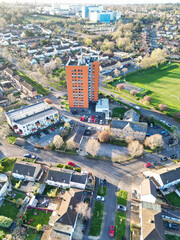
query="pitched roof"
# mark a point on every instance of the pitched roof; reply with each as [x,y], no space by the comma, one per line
[26,169]
[136,126]
[79,134]
[152,224]
[148,187]
[79,178]
[131,115]
[170,176]
[28,86]
[59,175]
[8,70]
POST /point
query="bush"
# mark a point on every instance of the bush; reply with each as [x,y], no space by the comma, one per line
[120,86]
[78,169]
[163,107]
[53,192]
[104,136]
[5,221]
[133,92]
[59,165]
[147,99]
[11,140]
[68,167]
[18,184]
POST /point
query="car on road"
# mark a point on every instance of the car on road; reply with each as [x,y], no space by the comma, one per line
[163,159]
[111,231]
[163,132]
[147,165]
[27,155]
[71,164]
[172,226]
[100,198]
[52,129]
[173,156]
[121,208]
[34,157]
[169,125]
[137,107]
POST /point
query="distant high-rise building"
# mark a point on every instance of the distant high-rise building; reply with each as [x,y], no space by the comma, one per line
[82,81]
[87,9]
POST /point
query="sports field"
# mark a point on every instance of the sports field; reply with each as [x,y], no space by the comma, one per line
[163,85]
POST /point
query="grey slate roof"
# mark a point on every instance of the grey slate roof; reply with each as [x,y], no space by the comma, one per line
[79,134]
[36,116]
[26,169]
[132,116]
[60,176]
[136,126]
[79,178]
[170,176]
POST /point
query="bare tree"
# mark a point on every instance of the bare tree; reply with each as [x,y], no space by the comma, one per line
[92,147]
[147,99]
[124,70]
[58,141]
[67,125]
[135,148]
[163,107]
[133,92]
[116,72]
[154,141]
[58,61]
[104,136]
[71,145]
[83,210]
[120,86]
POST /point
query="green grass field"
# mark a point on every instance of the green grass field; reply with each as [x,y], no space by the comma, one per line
[9,210]
[97,218]
[120,225]
[163,85]
[122,197]
[172,237]
[173,199]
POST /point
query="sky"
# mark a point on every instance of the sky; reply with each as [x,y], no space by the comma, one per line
[95,1]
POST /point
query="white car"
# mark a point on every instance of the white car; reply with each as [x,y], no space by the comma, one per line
[121,208]
[137,107]
[100,198]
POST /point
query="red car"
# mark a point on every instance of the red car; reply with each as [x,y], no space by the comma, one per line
[147,165]
[71,164]
[92,119]
[80,118]
[52,129]
[111,231]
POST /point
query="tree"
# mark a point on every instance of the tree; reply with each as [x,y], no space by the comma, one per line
[163,107]
[133,92]
[104,136]
[67,125]
[58,141]
[135,148]
[38,227]
[2,234]
[88,41]
[71,145]
[147,99]
[124,71]
[3,23]
[5,221]
[83,209]
[92,147]
[120,86]
[154,141]
[116,72]
[19,202]
[58,61]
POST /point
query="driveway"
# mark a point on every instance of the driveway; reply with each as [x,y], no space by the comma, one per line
[113,151]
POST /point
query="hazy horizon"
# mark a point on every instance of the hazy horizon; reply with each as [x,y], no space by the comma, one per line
[109,2]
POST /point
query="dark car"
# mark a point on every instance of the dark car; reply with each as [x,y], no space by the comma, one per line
[45,132]
[163,159]
[172,226]
[27,155]
[173,156]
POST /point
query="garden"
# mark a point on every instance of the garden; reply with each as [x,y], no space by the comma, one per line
[33,217]
[96,222]
[118,112]
[9,209]
[102,191]
[174,199]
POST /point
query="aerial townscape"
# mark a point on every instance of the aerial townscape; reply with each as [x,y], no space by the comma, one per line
[89,120]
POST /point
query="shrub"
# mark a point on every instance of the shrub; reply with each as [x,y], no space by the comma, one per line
[59,165]
[68,167]
[163,107]
[120,86]
[53,192]
[78,169]
[5,221]
[18,184]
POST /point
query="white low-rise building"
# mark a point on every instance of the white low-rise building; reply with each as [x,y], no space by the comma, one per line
[32,118]
[103,106]
[148,191]
[4,183]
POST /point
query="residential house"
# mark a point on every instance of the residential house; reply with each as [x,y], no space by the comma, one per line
[129,127]
[151,222]
[30,119]
[4,183]
[165,177]
[78,180]
[27,171]
[148,191]
[59,177]
[49,53]
[66,219]
[9,73]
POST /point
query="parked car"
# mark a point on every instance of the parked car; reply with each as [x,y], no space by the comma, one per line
[101,121]
[27,155]
[89,120]
[147,165]
[148,134]
[45,132]
[100,198]
[135,194]
[151,125]
[34,157]
[169,125]
[71,164]
[80,119]
[163,132]
[121,208]
[52,129]
[173,156]
[163,159]
[102,182]
[172,226]
[111,231]
[92,119]
[137,107]
[156,126]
